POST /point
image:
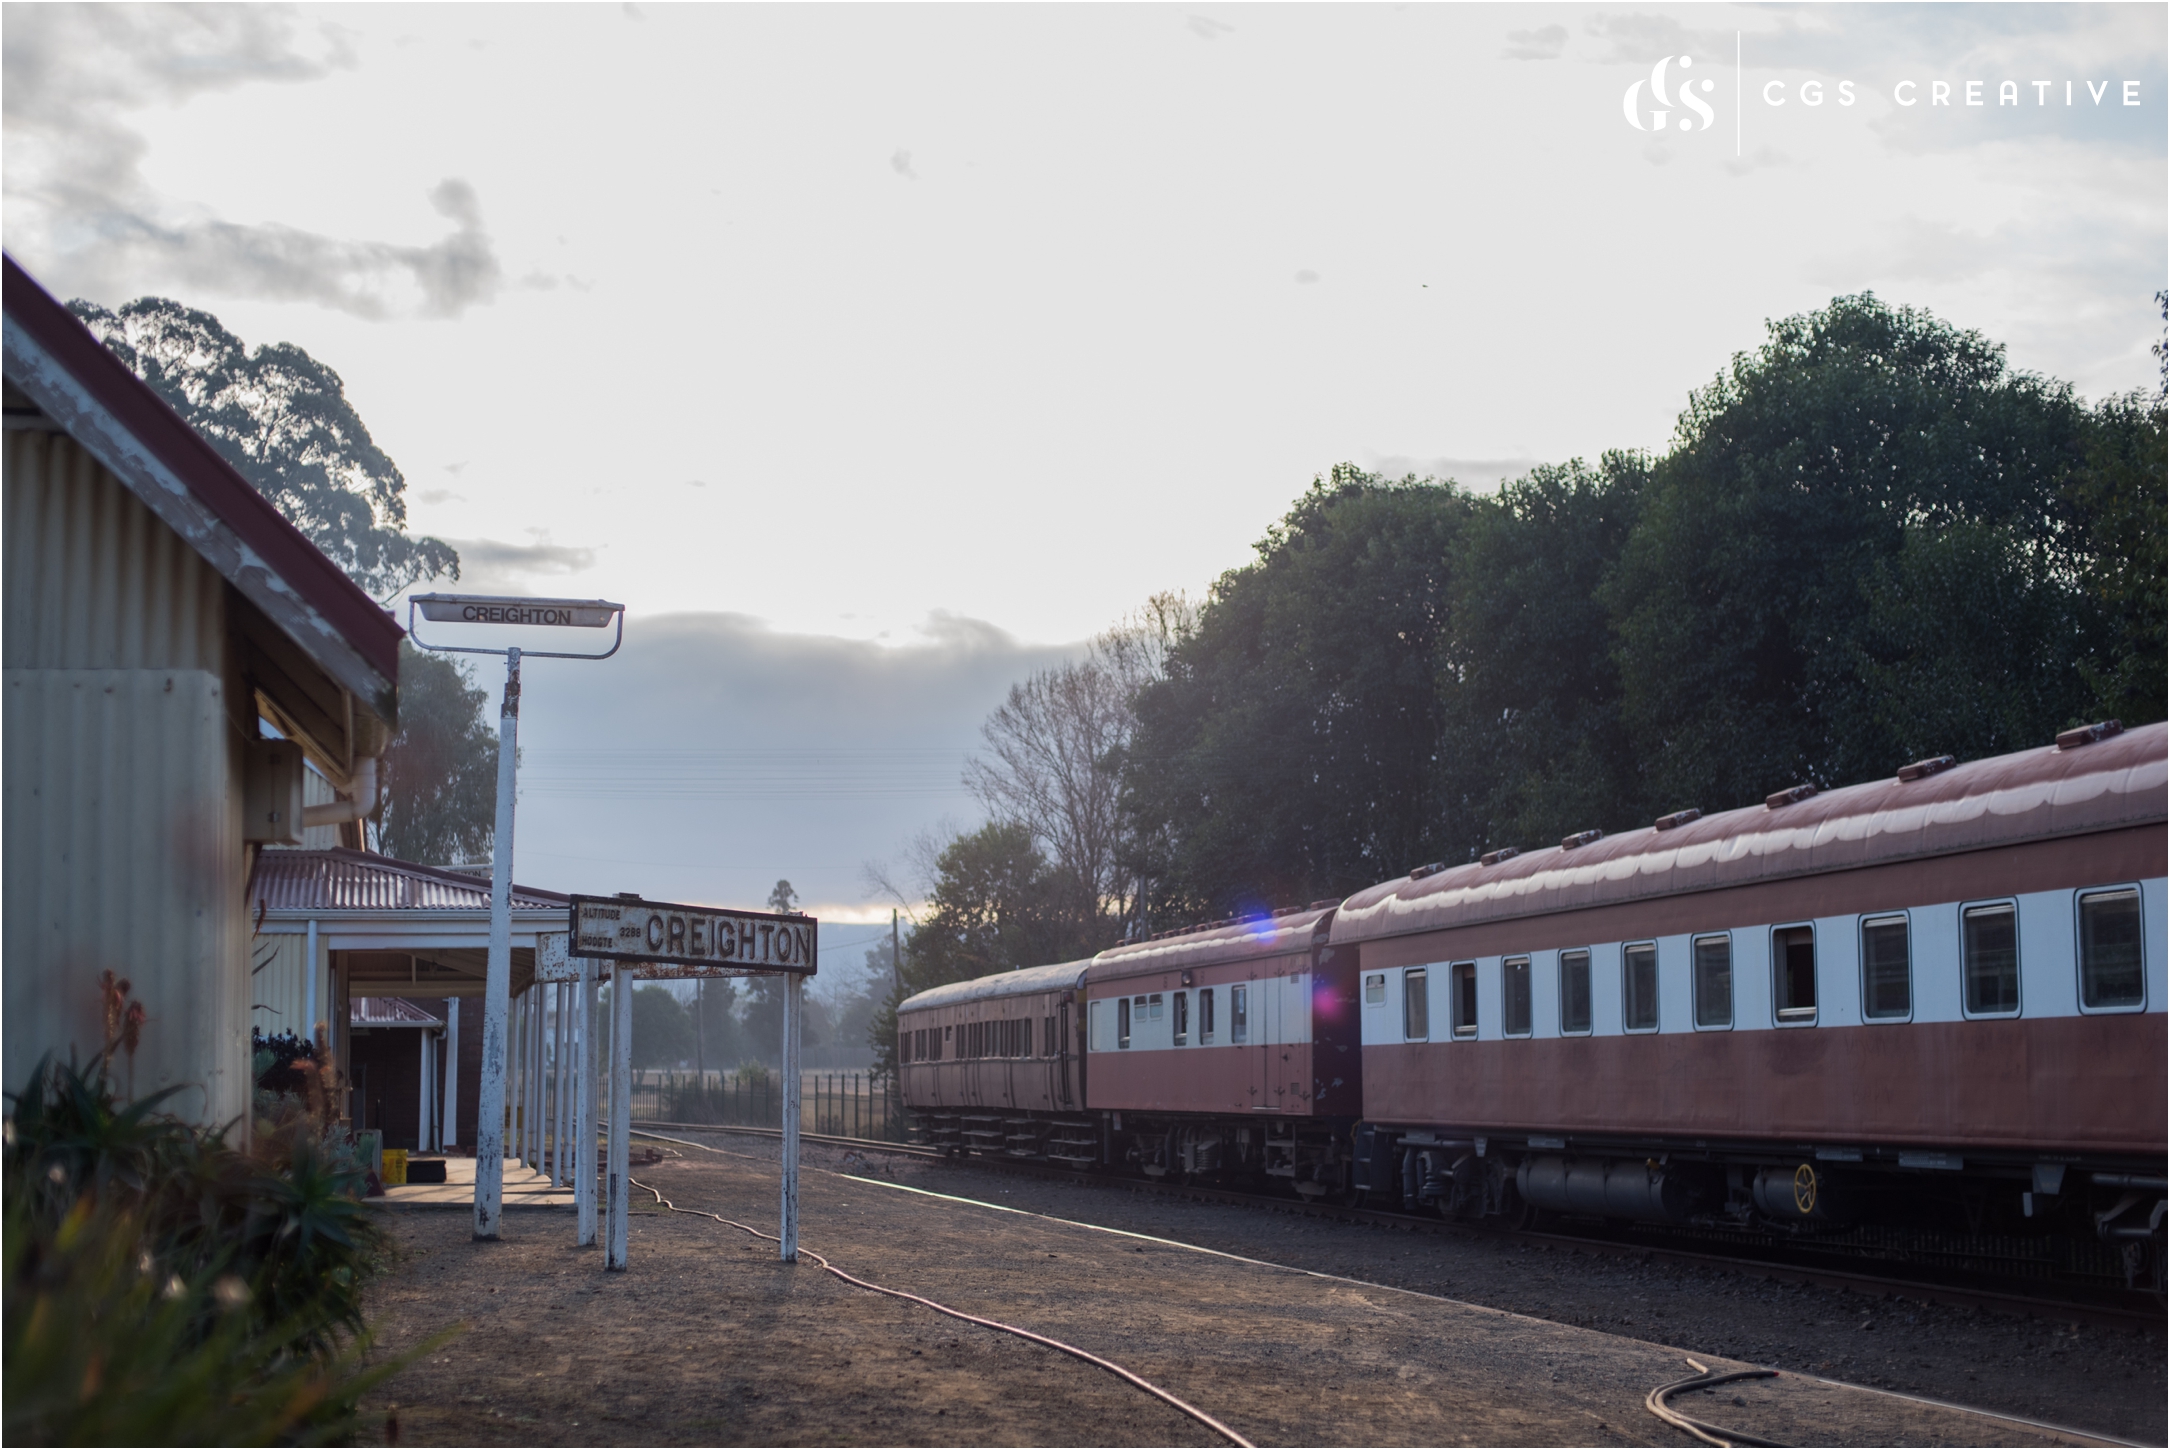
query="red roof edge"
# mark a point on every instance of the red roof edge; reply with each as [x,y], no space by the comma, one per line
[345,605]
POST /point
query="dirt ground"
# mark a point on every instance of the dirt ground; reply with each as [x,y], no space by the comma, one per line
[710,1340]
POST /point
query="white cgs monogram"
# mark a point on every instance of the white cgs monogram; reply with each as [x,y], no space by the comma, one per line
[1631,103]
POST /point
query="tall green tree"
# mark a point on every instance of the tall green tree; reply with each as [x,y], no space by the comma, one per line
[282,419]
[1858,552]
[440,771]
[1532,743]
[1290,752]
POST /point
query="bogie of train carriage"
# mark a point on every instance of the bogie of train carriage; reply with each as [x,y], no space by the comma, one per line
[1935,1000]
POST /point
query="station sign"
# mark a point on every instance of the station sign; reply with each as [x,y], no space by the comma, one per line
[667,940]
[500,609]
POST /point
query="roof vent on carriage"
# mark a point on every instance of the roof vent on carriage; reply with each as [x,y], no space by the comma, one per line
[1792,795]
[1923,769]
[1430,868]
[2088,734]
[1580,838]
[1504,853]
[1677,819]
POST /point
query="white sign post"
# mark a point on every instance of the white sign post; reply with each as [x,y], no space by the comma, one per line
[497,978]
[656,939]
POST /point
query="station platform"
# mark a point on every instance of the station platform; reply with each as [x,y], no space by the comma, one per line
[524,1188]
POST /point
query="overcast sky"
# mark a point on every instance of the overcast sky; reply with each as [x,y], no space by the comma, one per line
[909,344]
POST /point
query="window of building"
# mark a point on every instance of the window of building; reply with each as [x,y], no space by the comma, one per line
[1182,1019]
[1714,981]
[1887,969]
[1639,987]
[1122,1022]
[1575,991]
[1514,1014]
[1154,1006]
[1989,953]
[2110,959]
[1465,999]
[1416,1012]
[1205,1016]
[1239,1014]
[1793,973]
[1375,989]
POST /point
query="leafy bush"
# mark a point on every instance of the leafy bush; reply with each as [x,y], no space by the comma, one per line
[165,1287]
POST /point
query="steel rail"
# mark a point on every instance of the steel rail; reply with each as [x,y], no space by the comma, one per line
[2005,1301]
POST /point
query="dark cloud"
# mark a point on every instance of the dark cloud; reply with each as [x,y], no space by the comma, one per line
[81,212]
[1544,43]
[491,566]
[713,754]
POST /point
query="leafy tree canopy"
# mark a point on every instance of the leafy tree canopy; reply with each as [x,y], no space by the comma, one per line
[282,419]
[440,771]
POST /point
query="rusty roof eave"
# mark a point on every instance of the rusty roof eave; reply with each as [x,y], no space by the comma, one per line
[76,382]
[339,883]
[2031,795]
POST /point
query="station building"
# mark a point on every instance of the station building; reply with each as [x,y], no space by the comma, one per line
[177,657]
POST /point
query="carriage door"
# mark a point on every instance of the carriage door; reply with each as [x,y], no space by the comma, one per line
[1271,1011]
[1061,1047]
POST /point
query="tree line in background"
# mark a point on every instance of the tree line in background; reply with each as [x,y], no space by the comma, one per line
[1870,541]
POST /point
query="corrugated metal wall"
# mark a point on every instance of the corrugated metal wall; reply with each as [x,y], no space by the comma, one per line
[94,581]
[121,783]
[123,851]
[279,992]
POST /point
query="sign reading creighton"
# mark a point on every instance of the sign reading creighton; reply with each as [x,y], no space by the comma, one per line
[486,609]
[667,940]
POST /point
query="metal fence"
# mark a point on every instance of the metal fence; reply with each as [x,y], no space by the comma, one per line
[842,1104]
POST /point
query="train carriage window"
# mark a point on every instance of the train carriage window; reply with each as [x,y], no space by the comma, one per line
[1574,992]
[1205,1016]
[1239,1014]
[904,1048]
[1714,981]
[1122,1022]
[1416,1012]
[1465,999]
[1989,953]
[1182,1019]
[1887,969]
[1515,984]
[1153,1010]
[1639,987]
[1375,989]
[2110,956]
[1793,973]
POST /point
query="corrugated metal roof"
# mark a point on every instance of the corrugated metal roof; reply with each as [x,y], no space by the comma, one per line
[1265,936]
[1024,981]
[344,880]
[2006,799]
[389,1012]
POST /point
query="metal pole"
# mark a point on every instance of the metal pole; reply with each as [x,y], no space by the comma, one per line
[535,1080]
[422,1097]
[560,1138]
[621,1111]
[497,981]
[788,1230]
[451,1135]
[584,1134]
[308,1005]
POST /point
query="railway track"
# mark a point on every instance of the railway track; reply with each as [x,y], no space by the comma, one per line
[2002,1296]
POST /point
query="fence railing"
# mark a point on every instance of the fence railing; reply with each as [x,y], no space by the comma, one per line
[842,1104]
